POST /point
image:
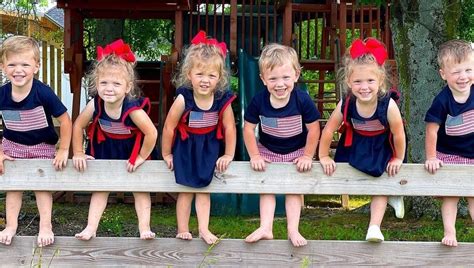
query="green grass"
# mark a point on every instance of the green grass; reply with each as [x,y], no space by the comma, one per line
[323,219]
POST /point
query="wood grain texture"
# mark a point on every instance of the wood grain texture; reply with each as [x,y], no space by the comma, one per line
[281,178]
[171,252]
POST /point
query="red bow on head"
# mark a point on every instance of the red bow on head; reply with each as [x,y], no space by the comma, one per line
[118,48]
[371,46]
[201,38]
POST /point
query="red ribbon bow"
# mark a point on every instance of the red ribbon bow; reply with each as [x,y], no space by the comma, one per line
[201,38]
[118,48]
[371,46]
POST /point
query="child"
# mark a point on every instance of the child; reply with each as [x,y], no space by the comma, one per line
[119,122]
[200,118]
[27,106]
[288,132]
[450,124]
[371,123]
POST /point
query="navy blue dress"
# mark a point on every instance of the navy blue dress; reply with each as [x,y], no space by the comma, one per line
[116,138]
[198,142]
[371,148]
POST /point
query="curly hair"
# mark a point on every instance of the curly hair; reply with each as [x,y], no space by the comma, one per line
[106,63]
[198,56]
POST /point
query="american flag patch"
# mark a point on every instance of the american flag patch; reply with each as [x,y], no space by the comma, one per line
[462,124]
[202,119]
[370,125]
[283,127]
[113,127]
[25,120]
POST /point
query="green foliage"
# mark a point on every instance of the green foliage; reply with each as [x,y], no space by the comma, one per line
[148,38]
[466,20]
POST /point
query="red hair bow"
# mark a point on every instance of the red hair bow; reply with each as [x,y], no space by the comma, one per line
[118,48]
[371,46]
[201,38]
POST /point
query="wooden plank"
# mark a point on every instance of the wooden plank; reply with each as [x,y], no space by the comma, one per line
[280,178]
[171,252]
[44,61]
[59,73]
[52,76]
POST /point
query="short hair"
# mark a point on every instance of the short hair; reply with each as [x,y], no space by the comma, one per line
[19,44]
[454,51]
[201,55]
[277,55]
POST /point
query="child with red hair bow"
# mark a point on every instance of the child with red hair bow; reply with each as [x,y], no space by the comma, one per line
[199,134]
[373,136]
[119,128]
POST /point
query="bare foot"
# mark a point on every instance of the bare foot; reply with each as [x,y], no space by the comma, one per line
[86,234]
[297,239]
[147,235]
[449,240]
[184,236]
[208,237]
[45,237]
[7,235]
[259,234]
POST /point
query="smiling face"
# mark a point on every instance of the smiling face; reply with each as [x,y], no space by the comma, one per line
[112,84]
[280,81]
[204,79]
[365,81]
[20,69]
[459,76]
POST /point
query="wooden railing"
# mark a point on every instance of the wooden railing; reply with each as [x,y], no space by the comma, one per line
[153,176]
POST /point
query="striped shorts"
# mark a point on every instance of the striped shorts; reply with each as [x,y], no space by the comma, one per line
[21,151]
[275,157]
[454,159]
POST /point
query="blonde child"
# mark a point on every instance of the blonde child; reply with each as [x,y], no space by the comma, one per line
[119,129]
[27,107]
[450,124]
[288,132]
[200,119]
[370,120]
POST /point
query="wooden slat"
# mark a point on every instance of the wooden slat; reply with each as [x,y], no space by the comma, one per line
[59,73]
[279,178]
[171,252]
[52,73]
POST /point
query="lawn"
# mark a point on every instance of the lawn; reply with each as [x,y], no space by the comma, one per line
[322,219]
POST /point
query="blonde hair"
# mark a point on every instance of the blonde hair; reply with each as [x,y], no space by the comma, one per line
[19,44]
[454,51]
[349,64]
[112,61]
[202,55]
[277,55]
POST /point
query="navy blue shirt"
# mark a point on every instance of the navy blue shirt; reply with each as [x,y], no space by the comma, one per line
[456,123]
[29,122]
[282,130]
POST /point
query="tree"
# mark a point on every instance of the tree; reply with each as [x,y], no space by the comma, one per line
[419,27]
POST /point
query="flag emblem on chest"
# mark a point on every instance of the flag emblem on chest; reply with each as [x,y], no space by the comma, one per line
[113,127]
[460,125]
[202,119]
[369,125]
[282,127]
[25,120]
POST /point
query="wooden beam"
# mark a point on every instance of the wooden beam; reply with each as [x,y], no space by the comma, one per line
[279,178]
[171,252]
[112,5]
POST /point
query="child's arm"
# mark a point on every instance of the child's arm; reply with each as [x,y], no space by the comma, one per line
[257,162]
[65,132]
[144,123]
[432,164]
[79,157]
[396,127]
[328,164]
[305,162]
[172,120]
[230,139]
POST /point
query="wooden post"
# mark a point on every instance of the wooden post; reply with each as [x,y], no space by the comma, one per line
[51,68]
[44,61]
[59,73]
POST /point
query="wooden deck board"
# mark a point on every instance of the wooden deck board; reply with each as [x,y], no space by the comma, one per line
[170,252]
[281,178]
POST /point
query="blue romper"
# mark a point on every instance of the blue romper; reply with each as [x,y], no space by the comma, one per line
[116,138]
[198,141]
[365,143]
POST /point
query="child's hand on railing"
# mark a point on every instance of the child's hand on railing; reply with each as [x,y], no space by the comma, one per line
[433,164]
[223,162]
[328,164]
